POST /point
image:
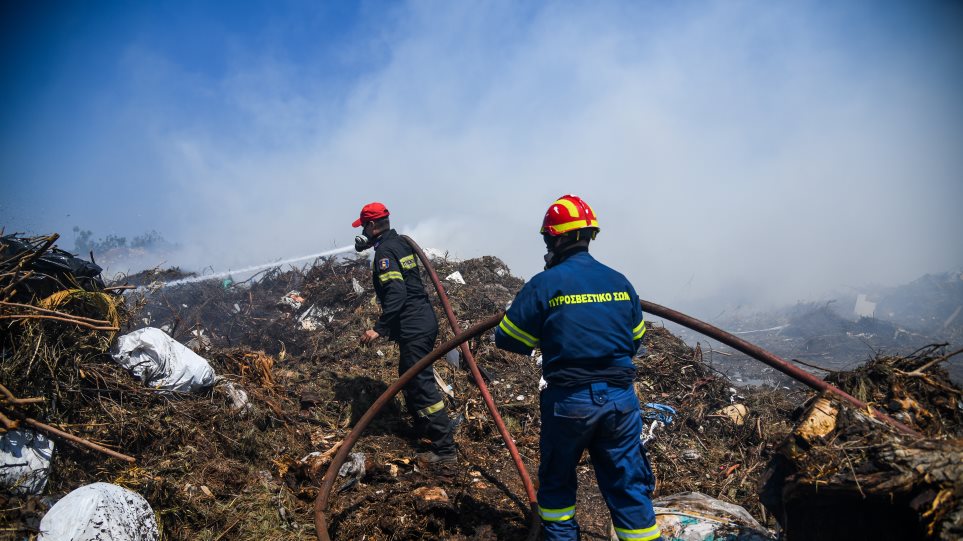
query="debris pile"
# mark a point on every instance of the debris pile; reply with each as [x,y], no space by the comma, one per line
[823,339]
[843,475]
[932,303]
[240,455]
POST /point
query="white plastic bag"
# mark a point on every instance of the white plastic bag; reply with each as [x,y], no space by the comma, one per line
[455,277]
[101,512]
[240,403]
[25,461]
[453,358]
[693,516]
[161,362]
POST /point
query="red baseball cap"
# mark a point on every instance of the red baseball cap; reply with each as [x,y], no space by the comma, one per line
[371,211]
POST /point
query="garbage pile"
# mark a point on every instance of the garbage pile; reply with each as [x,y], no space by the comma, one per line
[844,475]
[932,303]
[221,404]
[823,339]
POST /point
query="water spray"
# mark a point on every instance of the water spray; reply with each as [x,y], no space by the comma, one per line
[254,268]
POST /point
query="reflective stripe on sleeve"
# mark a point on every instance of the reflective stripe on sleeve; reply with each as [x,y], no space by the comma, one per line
[638,331]
[556,515]
[645,534]
[512,330]
[437,406]
[390,275]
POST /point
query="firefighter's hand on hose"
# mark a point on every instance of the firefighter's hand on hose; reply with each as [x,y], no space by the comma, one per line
[369,336]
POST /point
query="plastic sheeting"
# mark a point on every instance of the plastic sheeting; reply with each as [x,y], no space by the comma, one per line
[54,270]
[25,461]
[161,362]
[101,512]
[693,516]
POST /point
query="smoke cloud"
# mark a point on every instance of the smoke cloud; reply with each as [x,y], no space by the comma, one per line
[735,152]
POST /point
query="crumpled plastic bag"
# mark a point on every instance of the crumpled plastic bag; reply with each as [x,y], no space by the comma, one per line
[101,512]
[162,362]
[25,461]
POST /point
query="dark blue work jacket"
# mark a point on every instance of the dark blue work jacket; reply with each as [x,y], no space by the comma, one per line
[585,317]
[406,312]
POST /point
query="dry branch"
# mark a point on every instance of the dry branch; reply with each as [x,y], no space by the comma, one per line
[10,398]
[76,439]
[64,319]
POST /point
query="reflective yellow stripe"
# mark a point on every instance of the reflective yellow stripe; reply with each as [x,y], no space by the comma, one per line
[556,515]
[575,224]
[569,206]
[638,331]
[390,275]
[645,534]
[408,262]
[437,406]
[512,330]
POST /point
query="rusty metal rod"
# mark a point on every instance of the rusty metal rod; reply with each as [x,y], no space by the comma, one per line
[321,503]
[772,360]
[486,395]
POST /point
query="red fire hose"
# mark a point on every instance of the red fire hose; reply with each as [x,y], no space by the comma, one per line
[774,361]
[486,396]
[321,503]
[460,339]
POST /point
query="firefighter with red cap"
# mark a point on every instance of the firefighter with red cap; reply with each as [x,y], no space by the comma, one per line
[408,319]
[586,319]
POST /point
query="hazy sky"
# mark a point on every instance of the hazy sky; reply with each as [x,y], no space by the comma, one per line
[749,151]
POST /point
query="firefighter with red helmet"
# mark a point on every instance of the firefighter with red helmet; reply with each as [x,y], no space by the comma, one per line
[586,319]
[408,319]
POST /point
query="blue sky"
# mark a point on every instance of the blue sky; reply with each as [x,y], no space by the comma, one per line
[756,151]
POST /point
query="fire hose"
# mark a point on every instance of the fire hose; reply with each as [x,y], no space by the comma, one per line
[772,360]
[486,396]
[460,340]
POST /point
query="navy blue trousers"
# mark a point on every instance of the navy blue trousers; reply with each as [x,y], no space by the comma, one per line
[606,421]
[424,400]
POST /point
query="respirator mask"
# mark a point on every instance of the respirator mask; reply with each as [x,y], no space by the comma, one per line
[361,243]
[557,248]
[549,256]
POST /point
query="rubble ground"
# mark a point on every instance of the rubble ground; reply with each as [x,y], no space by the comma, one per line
[213,471]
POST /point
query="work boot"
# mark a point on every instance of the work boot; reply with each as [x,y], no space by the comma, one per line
[430,457]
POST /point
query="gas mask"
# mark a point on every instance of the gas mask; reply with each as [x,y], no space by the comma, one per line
[549,256]
[557,248]
[361,243]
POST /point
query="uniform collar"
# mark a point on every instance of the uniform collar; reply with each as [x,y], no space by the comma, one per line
[383,237]
[573,252]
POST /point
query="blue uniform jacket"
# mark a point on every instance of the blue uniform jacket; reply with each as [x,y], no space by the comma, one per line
[585,317]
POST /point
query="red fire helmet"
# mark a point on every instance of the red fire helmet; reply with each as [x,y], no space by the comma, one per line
[568,213]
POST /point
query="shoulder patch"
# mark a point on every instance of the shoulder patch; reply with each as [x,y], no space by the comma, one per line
[383,264]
